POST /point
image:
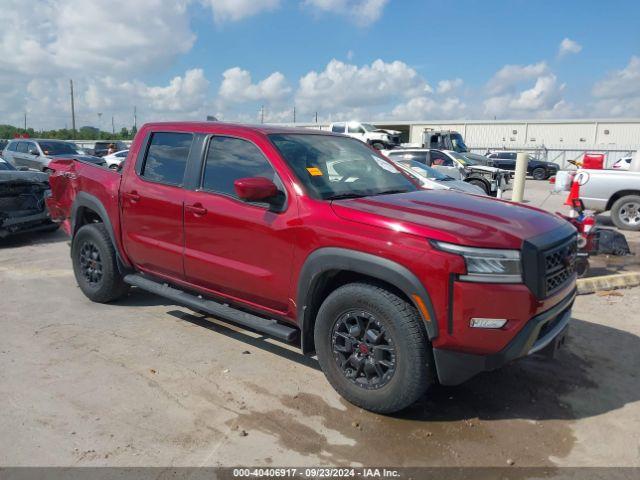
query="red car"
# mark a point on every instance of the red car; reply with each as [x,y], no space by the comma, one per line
[315,238]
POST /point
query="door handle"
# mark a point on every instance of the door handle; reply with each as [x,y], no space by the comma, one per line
[196,209]
[131,196]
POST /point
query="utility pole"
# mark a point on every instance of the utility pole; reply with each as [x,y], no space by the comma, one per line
[25,121]
[262,114]
[294,114]
[135,118]
[316,117]
[113,127]
[73,112]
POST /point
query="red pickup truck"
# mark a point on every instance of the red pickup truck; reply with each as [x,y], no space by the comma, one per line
[314,238]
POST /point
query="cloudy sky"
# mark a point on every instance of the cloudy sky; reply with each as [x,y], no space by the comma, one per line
[364,59]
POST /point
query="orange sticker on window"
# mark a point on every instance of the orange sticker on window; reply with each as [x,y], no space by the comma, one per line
[314,171]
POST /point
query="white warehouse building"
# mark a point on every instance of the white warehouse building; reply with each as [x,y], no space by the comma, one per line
[554,140]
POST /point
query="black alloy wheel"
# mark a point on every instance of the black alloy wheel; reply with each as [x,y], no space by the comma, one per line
[91,263]
[363,350]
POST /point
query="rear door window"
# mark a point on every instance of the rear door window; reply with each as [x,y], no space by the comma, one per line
[338,128]
[23,147]
[12,146]
[166,158]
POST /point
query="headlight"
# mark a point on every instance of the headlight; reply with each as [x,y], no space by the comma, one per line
[487,264]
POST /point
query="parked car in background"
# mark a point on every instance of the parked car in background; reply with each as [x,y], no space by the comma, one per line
[3,143]
[22,201]
[115,159]
[623,163]
[493,181]
[614,190]
[101,148]
[36,154]
[313,238]
[538,169]
[431,178]
[378,138]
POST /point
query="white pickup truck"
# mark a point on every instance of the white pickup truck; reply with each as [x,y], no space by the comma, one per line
[615,190]
[378,138]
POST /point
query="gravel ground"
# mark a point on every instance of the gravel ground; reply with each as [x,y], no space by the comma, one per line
[144,382]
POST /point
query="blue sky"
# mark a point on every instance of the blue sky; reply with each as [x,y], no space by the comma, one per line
[404,59]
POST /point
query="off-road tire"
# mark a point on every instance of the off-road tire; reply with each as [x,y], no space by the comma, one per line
[414,370]
[481,184]
[539,173]
[110,286]
[617,212]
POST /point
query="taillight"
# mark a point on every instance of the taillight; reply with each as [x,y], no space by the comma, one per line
[588,223]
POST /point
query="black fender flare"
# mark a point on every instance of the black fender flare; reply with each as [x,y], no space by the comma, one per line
[328,259]
[86,200]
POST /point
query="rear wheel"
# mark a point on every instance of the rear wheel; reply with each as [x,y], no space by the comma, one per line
[625,213]
[372,347]
[539,173]
[94,264]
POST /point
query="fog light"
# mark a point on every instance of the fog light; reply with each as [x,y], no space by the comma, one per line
[487,322]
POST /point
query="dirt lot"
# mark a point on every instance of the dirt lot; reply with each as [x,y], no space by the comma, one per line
[144,382]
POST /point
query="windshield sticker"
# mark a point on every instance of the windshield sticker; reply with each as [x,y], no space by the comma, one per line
[314,171]
[384,165]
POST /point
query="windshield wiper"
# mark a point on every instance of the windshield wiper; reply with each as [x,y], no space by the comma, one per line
[342,196]
[391,192]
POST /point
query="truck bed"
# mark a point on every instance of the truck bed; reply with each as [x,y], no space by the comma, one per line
[71,178]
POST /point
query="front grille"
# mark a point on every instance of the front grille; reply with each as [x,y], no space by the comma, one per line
[548,260]
[559,266]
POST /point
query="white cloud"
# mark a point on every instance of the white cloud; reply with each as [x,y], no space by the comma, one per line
[427,107]
[517,91]
[361,12]
[568,46]
[238,87]
[618,94]
[234,10]
[509,76]
[52,37]
[341,85]
[446,86]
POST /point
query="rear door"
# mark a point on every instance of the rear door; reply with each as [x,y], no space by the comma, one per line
[152,198]
[236,248]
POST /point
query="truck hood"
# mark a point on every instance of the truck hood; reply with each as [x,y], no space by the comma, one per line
[450,216]
[484,168]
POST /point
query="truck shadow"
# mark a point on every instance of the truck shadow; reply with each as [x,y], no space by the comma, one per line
[34,238]
[241,334]
[595,374]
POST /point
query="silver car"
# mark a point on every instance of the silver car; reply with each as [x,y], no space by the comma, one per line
[433,179]
[36,154]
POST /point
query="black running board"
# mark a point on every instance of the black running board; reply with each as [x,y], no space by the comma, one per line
[225,312]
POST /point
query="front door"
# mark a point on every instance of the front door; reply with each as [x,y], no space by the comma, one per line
[444,164]
[152,197]
[238,249]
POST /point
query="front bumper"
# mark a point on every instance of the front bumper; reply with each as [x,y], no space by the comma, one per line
[27,224]
[541,332]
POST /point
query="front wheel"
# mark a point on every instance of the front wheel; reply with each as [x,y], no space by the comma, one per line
[625,213]
[377,145]
[373,348]
[94,264]
[539,174]
[481,184]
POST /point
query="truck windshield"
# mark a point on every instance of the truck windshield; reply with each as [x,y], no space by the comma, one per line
[337,167]
[458,143]
[368,127]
